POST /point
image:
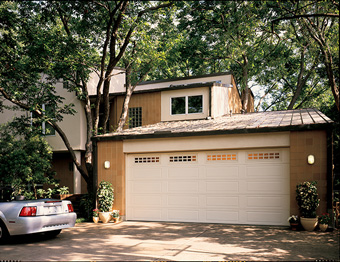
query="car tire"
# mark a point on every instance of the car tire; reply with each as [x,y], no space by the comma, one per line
[3,233]
[51,234]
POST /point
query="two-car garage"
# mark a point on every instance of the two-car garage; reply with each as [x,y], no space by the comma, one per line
[226,186]
[240,169]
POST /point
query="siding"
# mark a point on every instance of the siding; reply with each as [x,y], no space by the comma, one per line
[150,103]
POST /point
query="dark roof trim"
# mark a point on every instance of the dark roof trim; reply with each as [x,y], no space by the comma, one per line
[171,87]
[182,78]
[169,134]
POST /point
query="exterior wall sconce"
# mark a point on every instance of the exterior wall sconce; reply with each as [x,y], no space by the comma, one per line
[107,164]
[310,159]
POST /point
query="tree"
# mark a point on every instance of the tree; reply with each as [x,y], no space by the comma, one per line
[67,40]
[24,161]
[320,21]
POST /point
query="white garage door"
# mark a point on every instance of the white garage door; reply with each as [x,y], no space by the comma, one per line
[236,187]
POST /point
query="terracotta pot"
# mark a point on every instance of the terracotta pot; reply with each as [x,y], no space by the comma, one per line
[309,224]
[105,217]
[323,227]
[95,219]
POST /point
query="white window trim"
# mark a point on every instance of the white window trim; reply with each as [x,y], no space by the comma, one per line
[186,105]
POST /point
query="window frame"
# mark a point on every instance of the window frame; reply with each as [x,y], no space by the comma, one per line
[186,105]
[139,114]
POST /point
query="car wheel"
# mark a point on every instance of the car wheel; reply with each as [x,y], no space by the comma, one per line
[53,233]
[3,232]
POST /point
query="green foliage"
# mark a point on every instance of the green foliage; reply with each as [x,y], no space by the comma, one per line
[307,198]
[105,196]
[86,205]
[25,162]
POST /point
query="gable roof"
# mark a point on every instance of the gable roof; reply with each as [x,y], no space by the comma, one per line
[271,121]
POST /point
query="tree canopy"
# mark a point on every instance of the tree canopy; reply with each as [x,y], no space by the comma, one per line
[285,53]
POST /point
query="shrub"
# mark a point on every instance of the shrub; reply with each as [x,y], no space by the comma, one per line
[307,198]
[105,196]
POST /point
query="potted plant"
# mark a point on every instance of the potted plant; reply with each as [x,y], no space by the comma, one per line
[324,219]
[308,201]
[105,200]
[294,222]
[95,215]
[115,215]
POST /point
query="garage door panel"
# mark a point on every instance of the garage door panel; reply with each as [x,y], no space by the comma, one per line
[266,187]
[183,187]
[183,215]
[185,201]
[146,187]
[222,172]
[221,186]
[183,173]
[266,171]
[267,202]
[223,202]
[223,216]
[151,214]
[146,174]
[149,200]
[266,218]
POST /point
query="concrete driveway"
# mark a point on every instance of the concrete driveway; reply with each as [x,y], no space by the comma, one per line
[175,241]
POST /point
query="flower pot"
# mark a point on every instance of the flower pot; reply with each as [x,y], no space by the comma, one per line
[105,217]
[309,224]
[95,219]
[323,227]
[294,226]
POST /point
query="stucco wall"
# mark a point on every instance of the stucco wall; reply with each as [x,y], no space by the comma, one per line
[304,143]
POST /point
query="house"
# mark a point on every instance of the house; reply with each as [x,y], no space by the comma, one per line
[188,153]
[190,156]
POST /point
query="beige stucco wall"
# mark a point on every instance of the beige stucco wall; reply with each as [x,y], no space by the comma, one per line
[9,115]
[74,126]
[117,83]
[237,141]
[219,101]
[166,103]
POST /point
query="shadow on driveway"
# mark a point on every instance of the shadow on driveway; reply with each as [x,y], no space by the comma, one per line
[175,241]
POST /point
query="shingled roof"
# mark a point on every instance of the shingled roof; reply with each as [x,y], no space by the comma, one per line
[271,121]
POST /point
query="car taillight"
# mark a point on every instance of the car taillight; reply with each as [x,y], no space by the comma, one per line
[28,212]
[70,208]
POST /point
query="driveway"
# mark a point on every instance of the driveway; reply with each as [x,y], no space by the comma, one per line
[175,241]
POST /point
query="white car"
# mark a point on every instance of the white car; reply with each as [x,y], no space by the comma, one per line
[35,216]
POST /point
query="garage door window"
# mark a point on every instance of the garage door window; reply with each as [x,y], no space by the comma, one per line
[263,155]
[222,157]
[189,158]
[148,159]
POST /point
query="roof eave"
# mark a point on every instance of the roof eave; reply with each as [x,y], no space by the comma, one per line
[169,134]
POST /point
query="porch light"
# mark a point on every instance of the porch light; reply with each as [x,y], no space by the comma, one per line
[310,159]
[107,164]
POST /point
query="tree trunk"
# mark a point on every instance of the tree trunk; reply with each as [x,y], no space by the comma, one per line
[245,91]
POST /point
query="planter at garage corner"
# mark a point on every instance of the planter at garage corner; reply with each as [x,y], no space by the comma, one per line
[105,217]
[323,227]
[309,224]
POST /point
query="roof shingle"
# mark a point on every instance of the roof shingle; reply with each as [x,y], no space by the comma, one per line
[236,123]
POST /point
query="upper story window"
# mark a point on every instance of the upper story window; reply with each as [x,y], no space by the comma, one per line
[47,129]
[186,105]
[135,117]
